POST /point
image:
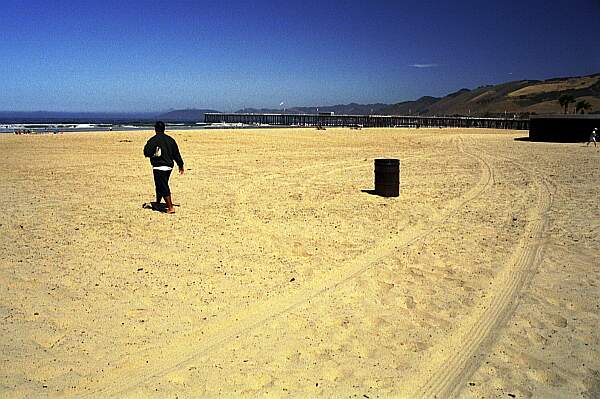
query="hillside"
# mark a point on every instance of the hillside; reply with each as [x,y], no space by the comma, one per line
[522,97]
[343,109]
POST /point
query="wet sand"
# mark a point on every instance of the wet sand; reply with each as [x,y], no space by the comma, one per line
[279,277]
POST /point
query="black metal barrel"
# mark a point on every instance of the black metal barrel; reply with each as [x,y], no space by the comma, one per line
[387,177]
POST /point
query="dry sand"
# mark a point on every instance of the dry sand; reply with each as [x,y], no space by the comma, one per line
[279,277]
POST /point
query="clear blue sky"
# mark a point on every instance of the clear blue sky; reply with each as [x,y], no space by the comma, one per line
[133,55]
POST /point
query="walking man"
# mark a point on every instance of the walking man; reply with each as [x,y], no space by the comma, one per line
[162,151]
[593,137]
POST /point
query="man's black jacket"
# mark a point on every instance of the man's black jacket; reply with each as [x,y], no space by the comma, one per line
[168,149]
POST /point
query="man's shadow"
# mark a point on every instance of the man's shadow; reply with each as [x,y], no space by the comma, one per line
[156,207]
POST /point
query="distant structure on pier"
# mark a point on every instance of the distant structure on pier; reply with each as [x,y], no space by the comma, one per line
[330,119]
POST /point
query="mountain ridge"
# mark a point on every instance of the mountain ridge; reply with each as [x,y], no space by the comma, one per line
[519,97]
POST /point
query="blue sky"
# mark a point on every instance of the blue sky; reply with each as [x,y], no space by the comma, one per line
[133,55]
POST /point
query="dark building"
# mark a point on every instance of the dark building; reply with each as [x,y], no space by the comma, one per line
[562,128]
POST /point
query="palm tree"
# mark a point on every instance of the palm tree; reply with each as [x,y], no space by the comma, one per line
[582,106]
[565,100]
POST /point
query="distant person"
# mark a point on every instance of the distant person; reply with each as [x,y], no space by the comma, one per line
[593,137]
[162,151]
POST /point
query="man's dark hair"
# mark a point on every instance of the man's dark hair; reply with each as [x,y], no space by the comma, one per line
[159,127]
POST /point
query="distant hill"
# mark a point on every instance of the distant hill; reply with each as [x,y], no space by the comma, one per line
[417,107]
[343,109]
[184,115]
[523,97]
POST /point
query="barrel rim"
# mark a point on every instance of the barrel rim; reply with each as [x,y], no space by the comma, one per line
[387,160]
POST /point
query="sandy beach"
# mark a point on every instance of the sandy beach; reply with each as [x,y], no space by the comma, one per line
[279,277]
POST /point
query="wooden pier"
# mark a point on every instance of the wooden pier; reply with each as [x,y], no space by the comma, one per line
[366,120]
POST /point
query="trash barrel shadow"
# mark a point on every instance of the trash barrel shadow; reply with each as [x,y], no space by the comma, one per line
[372,192]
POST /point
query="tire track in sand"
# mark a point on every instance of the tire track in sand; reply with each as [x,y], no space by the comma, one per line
[144,366]
[457,358]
